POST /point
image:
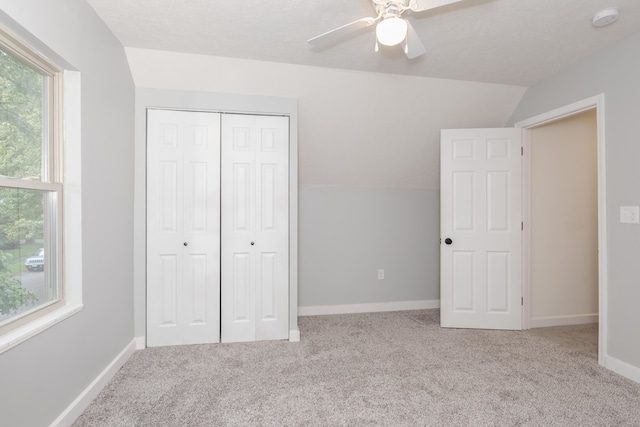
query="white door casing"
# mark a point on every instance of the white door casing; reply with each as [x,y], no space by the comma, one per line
[597,102]
[255,227]
[481,213]
[183,227]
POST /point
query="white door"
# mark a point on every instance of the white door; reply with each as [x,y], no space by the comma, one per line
[481,237]
[255,227]
[183,227]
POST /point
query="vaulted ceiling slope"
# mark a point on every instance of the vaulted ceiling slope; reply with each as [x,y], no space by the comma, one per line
[514,42]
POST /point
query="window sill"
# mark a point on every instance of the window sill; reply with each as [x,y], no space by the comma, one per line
[36,326]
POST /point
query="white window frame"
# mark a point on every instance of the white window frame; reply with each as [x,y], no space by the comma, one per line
[64,162]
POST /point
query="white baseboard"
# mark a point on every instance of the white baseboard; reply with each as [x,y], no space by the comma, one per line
[294,335]
[582,319]
[367,308]
[76,408]
[141,343]
[622,368]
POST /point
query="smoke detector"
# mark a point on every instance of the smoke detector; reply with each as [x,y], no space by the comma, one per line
[605,17]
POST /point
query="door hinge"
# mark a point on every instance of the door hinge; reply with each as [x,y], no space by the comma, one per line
[522,226]
[522,151]
[522,301]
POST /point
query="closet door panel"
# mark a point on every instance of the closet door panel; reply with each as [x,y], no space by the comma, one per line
[237,229]
[272,228]
[183,227]
[255,227]
[201,272]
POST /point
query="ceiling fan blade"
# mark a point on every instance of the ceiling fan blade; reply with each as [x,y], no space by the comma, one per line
[333,36]
[422,5]
[413,45]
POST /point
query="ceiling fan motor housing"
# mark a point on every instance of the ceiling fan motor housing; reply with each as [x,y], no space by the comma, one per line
[390,9]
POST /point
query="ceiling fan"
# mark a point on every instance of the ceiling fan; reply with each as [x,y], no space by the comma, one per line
[391,29]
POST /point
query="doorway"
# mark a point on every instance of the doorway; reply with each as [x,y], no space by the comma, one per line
[532,317]
[564,222]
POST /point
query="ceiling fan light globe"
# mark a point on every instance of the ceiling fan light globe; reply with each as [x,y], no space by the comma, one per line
[391,31]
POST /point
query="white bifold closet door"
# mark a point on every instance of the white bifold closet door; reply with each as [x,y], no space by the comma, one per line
[183,227]
[255,227]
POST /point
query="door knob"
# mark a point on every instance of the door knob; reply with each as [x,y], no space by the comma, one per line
[186,244]
[252,243]
[448,241]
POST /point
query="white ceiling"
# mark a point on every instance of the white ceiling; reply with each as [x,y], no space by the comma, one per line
[499,41]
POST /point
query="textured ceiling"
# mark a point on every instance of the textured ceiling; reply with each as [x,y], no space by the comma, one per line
[500,41]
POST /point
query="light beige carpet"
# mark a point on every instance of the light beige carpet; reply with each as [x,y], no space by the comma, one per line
[387,369]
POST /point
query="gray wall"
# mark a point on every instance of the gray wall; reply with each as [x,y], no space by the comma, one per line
[347,234]
[42,376]
[369,174]
[615,72]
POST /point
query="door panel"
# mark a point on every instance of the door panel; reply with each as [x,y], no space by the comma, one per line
[463,281]
[463,201]
[238,228]
[255,282]
[498,281]
[242,301]
[268,193]
[168,206]
[196,289]
[241,196]
[498,201]
[272,228]
[197,193]
[481,214]
[183,231]
[168,290]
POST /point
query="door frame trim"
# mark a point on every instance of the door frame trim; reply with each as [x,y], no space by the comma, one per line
[598,103]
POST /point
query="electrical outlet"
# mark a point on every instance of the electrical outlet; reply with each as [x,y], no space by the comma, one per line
[380,274]
[629,214]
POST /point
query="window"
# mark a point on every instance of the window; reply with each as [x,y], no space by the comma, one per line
[30,185]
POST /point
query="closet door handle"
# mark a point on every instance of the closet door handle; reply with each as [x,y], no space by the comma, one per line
[186,244]
[252,243]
